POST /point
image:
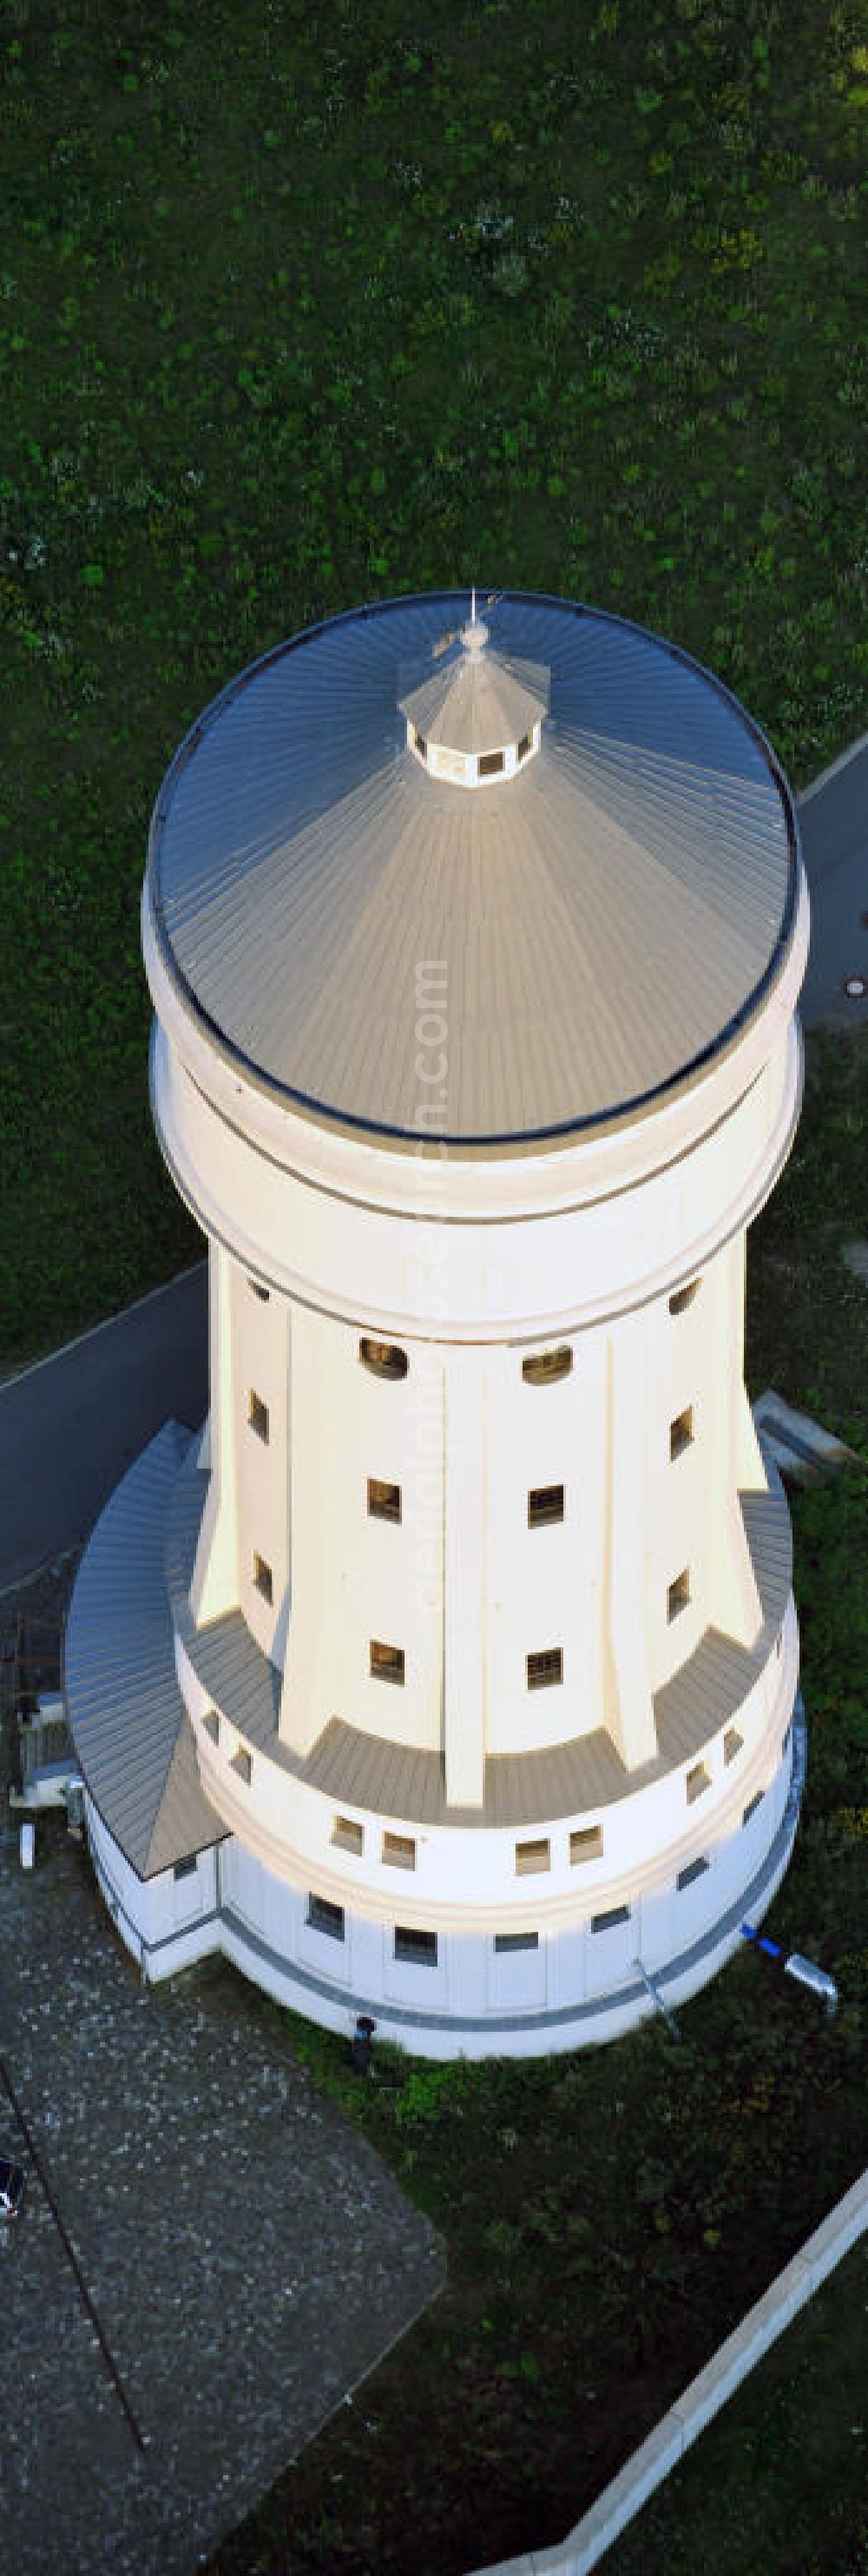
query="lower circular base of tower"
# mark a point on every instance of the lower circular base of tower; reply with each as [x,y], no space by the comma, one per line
[459,1995]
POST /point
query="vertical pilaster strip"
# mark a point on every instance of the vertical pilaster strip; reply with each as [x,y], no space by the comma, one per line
[214,1585]
[732,1601]
[464,1579]
[629,1704]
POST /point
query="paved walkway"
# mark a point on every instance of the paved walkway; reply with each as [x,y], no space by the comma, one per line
[246,2255]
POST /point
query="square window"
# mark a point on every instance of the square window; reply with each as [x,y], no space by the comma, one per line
[262,1576]
[678,1595]
[400,1850]
[541,1368]
[587,1844]
[257,1415]
[681,1432]
[241,1763]
[694,1869]
[490,762]
[752,1805]
[323,1917]
[384,1501]
[532,1856]
[544,1503]
[504,1941]
[387,1662]
[347,1834]
[698,1780]
[421,1947]
[732,1743]
[186,1868]
[259,1292]
[606,1922]
[211,1724]
[545,1668]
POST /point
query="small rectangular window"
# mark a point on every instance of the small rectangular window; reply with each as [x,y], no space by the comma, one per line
[347,1834]
[587,1844]
[544,1503]
[694,1869]
[606,1922]
[186,1868]
[532,1856]
[697,1781]
[732,1743]
[489,764]
[384,1501]
[387,1662]
[524,746]
[323,1917]
[681,1432]
[546,1667]
[262,1576]
[752,1805]
[257,1415]
[421,745]
[504,1941]
[400,1850]
[418,1946]
[211,1724]
[678,1595]
[682,1298]
[242,1764]
[264,1293]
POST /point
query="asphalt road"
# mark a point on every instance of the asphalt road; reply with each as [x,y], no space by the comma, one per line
[72,1424]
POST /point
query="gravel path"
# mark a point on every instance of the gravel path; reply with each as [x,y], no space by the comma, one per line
[247,2256]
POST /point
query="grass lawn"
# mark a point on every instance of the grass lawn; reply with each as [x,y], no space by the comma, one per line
[303,307]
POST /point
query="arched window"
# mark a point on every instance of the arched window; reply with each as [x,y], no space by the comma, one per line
[544,1366]
[384,1359]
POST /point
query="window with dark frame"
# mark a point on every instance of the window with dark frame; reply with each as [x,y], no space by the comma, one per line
[544,1503]
[732,1743]
[545,1667]
[697,1781]
[681,1432]
[489,763]
[322,1916]
[384,1501]
[524,747]
[693,1869]
[263,1293]
[387,1662]
[242,1764]
[186,1868]
[257,1415]
[504,1941]
[678,1595]
[384,1359]
[418,1947]
[262,1576]
[606,1922]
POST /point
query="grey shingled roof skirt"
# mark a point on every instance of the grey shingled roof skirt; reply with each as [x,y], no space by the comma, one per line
[131,1731]
[608,920]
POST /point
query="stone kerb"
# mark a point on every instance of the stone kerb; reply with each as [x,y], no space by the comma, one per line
[590,2538]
